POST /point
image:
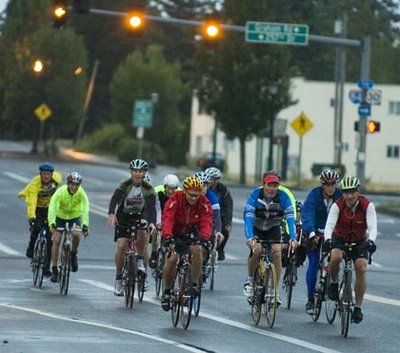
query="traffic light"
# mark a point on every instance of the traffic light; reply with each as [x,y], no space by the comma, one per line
[59,12]
[136,22]
[81,6]
[373,126]
[211,30]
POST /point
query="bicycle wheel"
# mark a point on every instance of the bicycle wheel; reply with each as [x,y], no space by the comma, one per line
[213,263]
[345,304]
[258,296]
[175,300]
[158,273]
[35,262]
[290,280]
[330,305]
[42,261]
[140,278]
[270,284]
[65,268]
[129,278]
[186,304]
[319,294]
[196,302]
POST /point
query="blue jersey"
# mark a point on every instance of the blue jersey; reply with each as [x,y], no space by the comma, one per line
[216,209]
[315,210]
[265,213]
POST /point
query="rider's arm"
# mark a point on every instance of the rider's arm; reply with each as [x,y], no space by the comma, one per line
[168,217]
[287,206]
[30,193]
[206,219]
[116,200]
[227,205]
[333,216]
[249,213]
[149,211]
[84,206]
[308,213]
[372,222]
[53,206]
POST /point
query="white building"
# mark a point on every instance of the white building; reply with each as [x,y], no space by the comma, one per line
[382,163]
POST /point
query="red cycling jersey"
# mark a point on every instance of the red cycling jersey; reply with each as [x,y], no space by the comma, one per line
[180,218]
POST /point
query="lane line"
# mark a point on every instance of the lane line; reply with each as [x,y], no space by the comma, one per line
[232,323]
[16,177]
[9,251]
[105,326]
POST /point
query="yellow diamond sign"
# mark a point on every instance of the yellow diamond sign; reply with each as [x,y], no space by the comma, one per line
[301,124]
[43,112]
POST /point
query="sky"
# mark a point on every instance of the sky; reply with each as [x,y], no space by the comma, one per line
[3,4]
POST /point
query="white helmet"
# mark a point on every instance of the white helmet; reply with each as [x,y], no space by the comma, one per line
[171,180]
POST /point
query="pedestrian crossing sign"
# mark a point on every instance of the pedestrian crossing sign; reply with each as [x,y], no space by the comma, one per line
[302,124]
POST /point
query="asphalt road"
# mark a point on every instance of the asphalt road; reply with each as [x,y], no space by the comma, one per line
[91,319]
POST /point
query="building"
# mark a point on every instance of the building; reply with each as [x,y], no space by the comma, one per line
[314,100]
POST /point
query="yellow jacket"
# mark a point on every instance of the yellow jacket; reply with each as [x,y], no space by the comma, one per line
[38,195]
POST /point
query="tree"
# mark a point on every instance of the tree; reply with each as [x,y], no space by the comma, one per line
[137,77]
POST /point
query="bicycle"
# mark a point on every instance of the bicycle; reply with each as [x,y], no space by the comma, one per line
[130,273]
[40,260]
[158,272]
[181,294]
[265,286]
[64,260]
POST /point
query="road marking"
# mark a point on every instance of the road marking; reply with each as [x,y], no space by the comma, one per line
[382,300]
[232,323]
[105,326]
[16,177]
[237,220]
[9,251]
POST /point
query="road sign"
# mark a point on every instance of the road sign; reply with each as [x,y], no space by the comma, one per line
[43,112]
[355,95]
[142,113]
[277,33]
[302,124]
[373,96]
[365,84]
[364,110]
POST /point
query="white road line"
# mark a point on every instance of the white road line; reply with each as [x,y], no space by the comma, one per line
[382,300]
[235,324]
[237,220]
[9,251]
[105,326]
[16,177]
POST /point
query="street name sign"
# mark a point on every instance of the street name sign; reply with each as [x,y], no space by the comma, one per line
[364,110]
[143,113]
[276,33]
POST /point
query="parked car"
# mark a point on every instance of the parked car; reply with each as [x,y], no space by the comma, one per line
[206,161]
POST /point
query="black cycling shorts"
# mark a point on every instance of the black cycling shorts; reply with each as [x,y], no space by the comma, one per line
[360,250]
[274,235]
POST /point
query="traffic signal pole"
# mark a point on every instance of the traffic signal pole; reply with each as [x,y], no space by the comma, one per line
[364,46]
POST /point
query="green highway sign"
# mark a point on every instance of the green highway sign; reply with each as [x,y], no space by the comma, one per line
[276,33]
[142,113]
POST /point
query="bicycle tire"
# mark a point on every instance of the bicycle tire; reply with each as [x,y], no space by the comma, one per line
[140,277]
[187,299]
[330,305]
[196,302]
[65,269]
[290,282]
[158,273]
[319,294]
[35,262]
[345,305]
[259,293]
[213,261]
[175,300]
[42,261]
[270,284]
[129,279]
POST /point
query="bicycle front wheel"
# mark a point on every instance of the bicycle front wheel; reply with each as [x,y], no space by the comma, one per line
[330,305]
[141,277]
[42,261]
[319,294]
[186,304]
[271,297]
[345,305]
[290,280]
[196,302]
[129,278]
[175,300]
[258,295]
[36,262]
[213,264]
[158,273]
[65,269]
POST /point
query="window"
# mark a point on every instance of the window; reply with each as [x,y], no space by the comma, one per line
[394,108]
[393,151]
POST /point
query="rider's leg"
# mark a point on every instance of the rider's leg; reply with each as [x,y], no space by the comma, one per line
[360,287]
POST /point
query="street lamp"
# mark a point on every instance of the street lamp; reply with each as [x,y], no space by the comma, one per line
[37,66]
[273,90]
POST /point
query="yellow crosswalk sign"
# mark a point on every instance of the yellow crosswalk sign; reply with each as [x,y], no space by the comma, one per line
[302,124]
[43,112]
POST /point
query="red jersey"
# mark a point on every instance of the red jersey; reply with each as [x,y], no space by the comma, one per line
[180,218]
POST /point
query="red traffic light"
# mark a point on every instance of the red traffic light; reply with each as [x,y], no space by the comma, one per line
[373,126]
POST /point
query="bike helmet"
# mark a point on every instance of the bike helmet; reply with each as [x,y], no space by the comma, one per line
[138,164]
[299,206]
[171,180]
[46,167]
[193,182]
[214,173]
[75,178]
[203,176]
[328,176]
[349,183]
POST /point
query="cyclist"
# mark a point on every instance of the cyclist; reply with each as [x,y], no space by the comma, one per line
[68,204]
[314,214]
[301,253]
[264,211]
[164,191]
[351,219]
[37,194]
[133,197]
[226,204]
[186,211]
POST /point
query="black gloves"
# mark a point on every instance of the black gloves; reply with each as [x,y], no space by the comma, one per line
[327,247]
[85,230]
[371,246]
[31,222]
